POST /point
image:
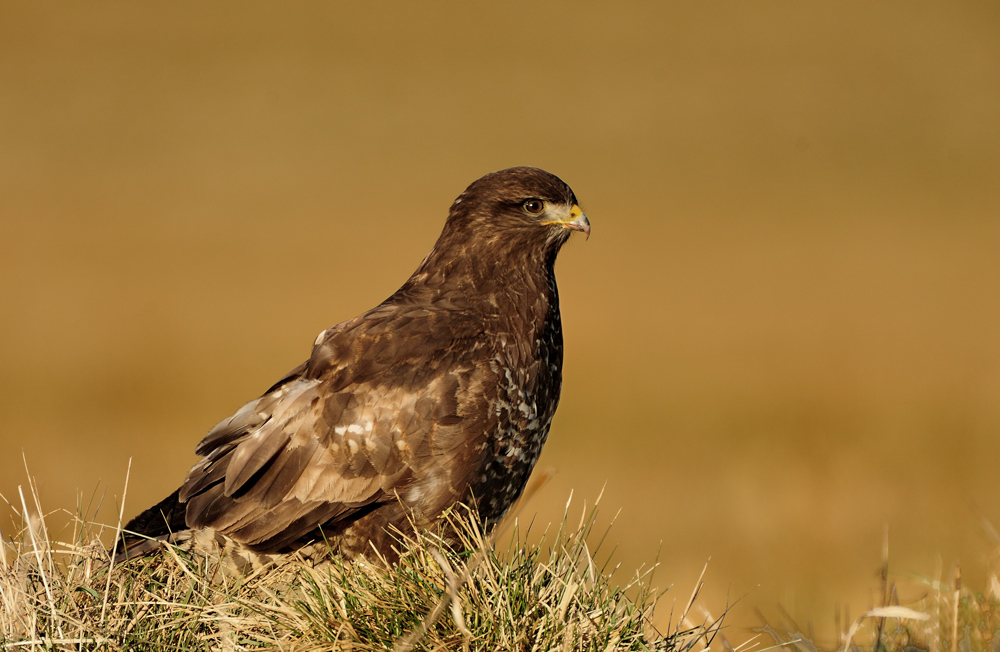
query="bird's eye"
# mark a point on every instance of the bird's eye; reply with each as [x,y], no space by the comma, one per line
[533,206]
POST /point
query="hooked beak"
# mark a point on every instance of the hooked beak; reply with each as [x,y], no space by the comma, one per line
[577,221]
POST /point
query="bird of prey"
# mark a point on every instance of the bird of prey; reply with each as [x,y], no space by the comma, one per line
[443,393]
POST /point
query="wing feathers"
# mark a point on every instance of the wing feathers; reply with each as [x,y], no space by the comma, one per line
[290,412]
[355,425]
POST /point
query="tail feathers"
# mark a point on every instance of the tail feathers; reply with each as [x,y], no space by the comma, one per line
[234,558]
[140,548]
[164,524]
[142,535]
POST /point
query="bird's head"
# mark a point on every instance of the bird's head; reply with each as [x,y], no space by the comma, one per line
[520,208]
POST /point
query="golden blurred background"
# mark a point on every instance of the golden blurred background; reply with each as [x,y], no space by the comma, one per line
[782,338]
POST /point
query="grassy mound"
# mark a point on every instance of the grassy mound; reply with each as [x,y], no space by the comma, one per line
[550,596]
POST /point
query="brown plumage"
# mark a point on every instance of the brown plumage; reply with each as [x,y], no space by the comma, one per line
[442,393]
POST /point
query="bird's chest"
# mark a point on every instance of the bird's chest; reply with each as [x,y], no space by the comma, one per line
[528,375]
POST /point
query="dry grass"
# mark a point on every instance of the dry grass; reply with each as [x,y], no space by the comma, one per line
[61,595]
[915,614]
[556,595]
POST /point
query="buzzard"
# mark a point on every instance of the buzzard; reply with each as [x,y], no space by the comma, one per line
[442,393]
